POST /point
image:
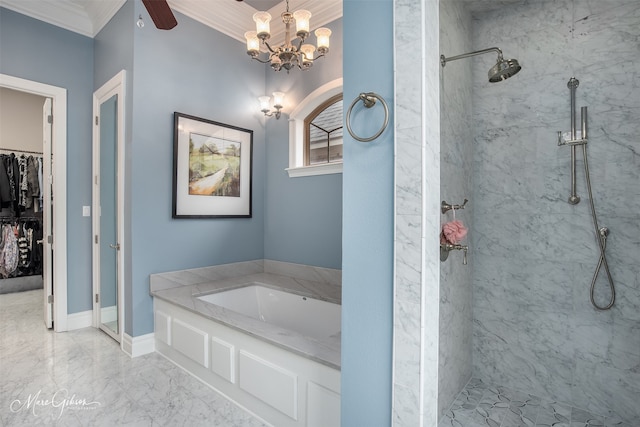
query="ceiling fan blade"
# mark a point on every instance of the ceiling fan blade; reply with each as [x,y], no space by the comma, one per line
[161,14]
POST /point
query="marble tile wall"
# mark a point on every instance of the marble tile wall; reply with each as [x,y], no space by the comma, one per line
[417,196]
[456,163]
[534,254]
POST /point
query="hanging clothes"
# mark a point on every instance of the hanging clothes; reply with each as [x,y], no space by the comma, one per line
[8,251]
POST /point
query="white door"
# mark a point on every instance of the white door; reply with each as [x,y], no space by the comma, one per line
[47,248]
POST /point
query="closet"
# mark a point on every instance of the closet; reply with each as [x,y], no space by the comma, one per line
[21,191]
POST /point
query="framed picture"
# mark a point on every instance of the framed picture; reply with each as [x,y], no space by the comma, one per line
[212,169]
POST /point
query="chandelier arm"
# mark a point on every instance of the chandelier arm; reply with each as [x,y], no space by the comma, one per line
[266,43]
[260,60]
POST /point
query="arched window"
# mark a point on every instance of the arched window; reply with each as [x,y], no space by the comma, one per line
[315,132]
[323,133]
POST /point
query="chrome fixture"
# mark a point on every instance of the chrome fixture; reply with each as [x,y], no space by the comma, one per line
[445,248]
[140,22]
[288,54]
[447,207]
[368,100]
[503,69]
[278,101]
[601,232]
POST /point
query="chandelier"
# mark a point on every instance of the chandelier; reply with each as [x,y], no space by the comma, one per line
[291,53]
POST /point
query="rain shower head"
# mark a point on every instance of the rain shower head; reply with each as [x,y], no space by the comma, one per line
[503,69]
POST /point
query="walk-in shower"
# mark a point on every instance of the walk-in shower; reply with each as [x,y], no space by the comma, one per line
[503,69]
[602,233]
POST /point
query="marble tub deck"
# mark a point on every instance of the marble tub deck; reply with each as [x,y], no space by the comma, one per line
[326,351]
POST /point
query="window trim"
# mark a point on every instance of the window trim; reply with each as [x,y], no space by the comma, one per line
[296,132]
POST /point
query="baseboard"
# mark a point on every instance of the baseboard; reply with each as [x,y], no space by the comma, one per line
[138,346]
[80,320]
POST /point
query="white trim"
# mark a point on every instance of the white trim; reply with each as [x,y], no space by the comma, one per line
[296,121]
[115,86]
[86,18]
[138,346]
[313,170]
[59,172]
[79,320]
[235,20]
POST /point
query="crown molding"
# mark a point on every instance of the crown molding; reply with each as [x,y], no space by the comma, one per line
[101,12]
[64,14]
[234,21]
[88,17]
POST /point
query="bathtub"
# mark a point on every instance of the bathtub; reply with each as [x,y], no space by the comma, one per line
[309,317]
[274,353]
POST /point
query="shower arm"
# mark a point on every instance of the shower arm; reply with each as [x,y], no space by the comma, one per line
[443,60]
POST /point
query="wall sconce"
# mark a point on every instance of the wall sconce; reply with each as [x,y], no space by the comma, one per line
[278,101]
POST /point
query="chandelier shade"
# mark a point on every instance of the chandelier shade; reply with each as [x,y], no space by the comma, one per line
[293,52]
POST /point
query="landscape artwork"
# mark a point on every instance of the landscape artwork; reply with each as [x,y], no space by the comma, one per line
[214,166]
[212,169]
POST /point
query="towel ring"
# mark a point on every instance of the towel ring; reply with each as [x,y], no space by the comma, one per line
[369,100]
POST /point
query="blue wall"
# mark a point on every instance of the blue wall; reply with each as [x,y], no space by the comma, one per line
[303,216]
[113,52]
[33,50]
[367,241]
[194,70]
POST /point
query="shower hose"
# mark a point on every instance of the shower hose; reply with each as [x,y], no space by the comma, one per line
[601,237]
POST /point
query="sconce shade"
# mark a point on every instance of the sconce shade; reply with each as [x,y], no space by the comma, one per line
[264,103]
[278,100]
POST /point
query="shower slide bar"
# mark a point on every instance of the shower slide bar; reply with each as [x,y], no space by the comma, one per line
[601,233]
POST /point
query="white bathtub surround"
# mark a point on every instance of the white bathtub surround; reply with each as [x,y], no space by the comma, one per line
[284,375]
[186,297]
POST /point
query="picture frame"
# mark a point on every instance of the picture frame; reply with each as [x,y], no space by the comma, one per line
[212,169]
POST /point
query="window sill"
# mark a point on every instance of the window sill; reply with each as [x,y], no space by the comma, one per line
[324,169]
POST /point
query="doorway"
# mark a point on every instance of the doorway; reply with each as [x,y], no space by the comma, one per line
[54,121]
[108,207]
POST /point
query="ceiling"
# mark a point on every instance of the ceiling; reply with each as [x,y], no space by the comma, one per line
[230,17]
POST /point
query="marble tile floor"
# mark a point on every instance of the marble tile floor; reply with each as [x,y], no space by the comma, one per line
[482,405]
[82,378]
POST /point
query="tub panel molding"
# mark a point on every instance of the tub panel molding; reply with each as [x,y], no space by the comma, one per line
[270,383]
[306,393]
[163,327]
[190,341]
[323,406]
[222,359]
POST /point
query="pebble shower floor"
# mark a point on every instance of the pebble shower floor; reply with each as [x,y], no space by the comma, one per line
[481,405]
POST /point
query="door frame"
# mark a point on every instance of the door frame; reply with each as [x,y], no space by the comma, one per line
[115,86]
[59,174]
